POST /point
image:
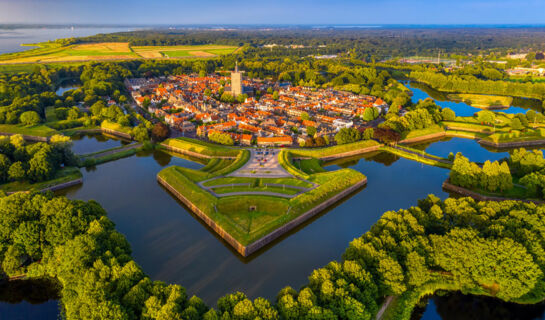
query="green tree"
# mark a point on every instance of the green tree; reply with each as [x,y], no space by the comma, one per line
[30,118]
[5,164]
[16,171]
[448,114]
[311,131]
[347,135]
[370,114]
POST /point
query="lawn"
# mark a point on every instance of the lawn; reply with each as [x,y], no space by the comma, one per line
[61,176]
[39,130]
[248,218]
[423,132]
[282,190]
[309,166]
[258,181]
[202,147]
[329,151]
[481,100]
[50,115]
[116,127]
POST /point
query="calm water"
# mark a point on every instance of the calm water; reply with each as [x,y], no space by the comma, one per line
[33,299]
[11,39]
[469,148]
[174,246]
[462,109]
[88,143]
[63,89]
[456,306]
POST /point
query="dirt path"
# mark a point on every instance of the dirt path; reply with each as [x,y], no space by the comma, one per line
[384,306]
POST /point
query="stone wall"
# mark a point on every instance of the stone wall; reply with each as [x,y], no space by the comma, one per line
[514,144]
[480,197]
[265,240]
[117,133]
[219,230]
[56,187]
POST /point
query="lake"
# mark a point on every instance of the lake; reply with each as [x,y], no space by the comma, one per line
[11,39]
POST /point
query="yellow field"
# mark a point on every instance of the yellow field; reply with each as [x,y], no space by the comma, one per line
[48,53]
[181,51]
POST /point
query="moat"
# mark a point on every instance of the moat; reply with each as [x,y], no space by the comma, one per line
[172,245]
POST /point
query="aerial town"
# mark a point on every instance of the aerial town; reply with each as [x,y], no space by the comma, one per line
[269,113]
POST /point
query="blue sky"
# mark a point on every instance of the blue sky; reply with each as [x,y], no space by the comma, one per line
[274,12]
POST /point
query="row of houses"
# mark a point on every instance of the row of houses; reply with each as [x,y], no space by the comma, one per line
[276,114]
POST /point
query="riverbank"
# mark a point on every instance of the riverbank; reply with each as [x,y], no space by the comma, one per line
[447,186]
[64,178]
[103,156]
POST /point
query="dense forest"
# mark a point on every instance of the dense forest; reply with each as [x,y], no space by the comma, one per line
[408,252]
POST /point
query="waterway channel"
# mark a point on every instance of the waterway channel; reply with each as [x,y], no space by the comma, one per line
[172,245]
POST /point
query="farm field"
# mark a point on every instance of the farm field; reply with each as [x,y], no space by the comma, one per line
[182,51]
[54,53]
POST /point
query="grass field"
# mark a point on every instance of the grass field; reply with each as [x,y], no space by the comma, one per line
[115,126]
[39,130]
[61,176]
[209,50]
[329,151]
[202,147]
[54,53]
[258,181]
[247,218]
[282,190]
[481,100]
[50,115]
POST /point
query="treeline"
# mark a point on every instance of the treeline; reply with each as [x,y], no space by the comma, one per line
[471,84]
[426,113]
[529,167]
[492,176]
[368,44]
[435,245]
[33,162]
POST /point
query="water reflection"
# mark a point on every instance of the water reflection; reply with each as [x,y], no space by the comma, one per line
[29,299]
[174,246]
[469,148]
[93,142]
[422,91]
[456,306]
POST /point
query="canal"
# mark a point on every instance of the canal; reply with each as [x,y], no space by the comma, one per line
[172,245]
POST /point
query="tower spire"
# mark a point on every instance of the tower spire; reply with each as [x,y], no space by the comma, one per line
[236,66]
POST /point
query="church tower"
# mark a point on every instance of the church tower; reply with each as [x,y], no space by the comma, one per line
[236,82]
